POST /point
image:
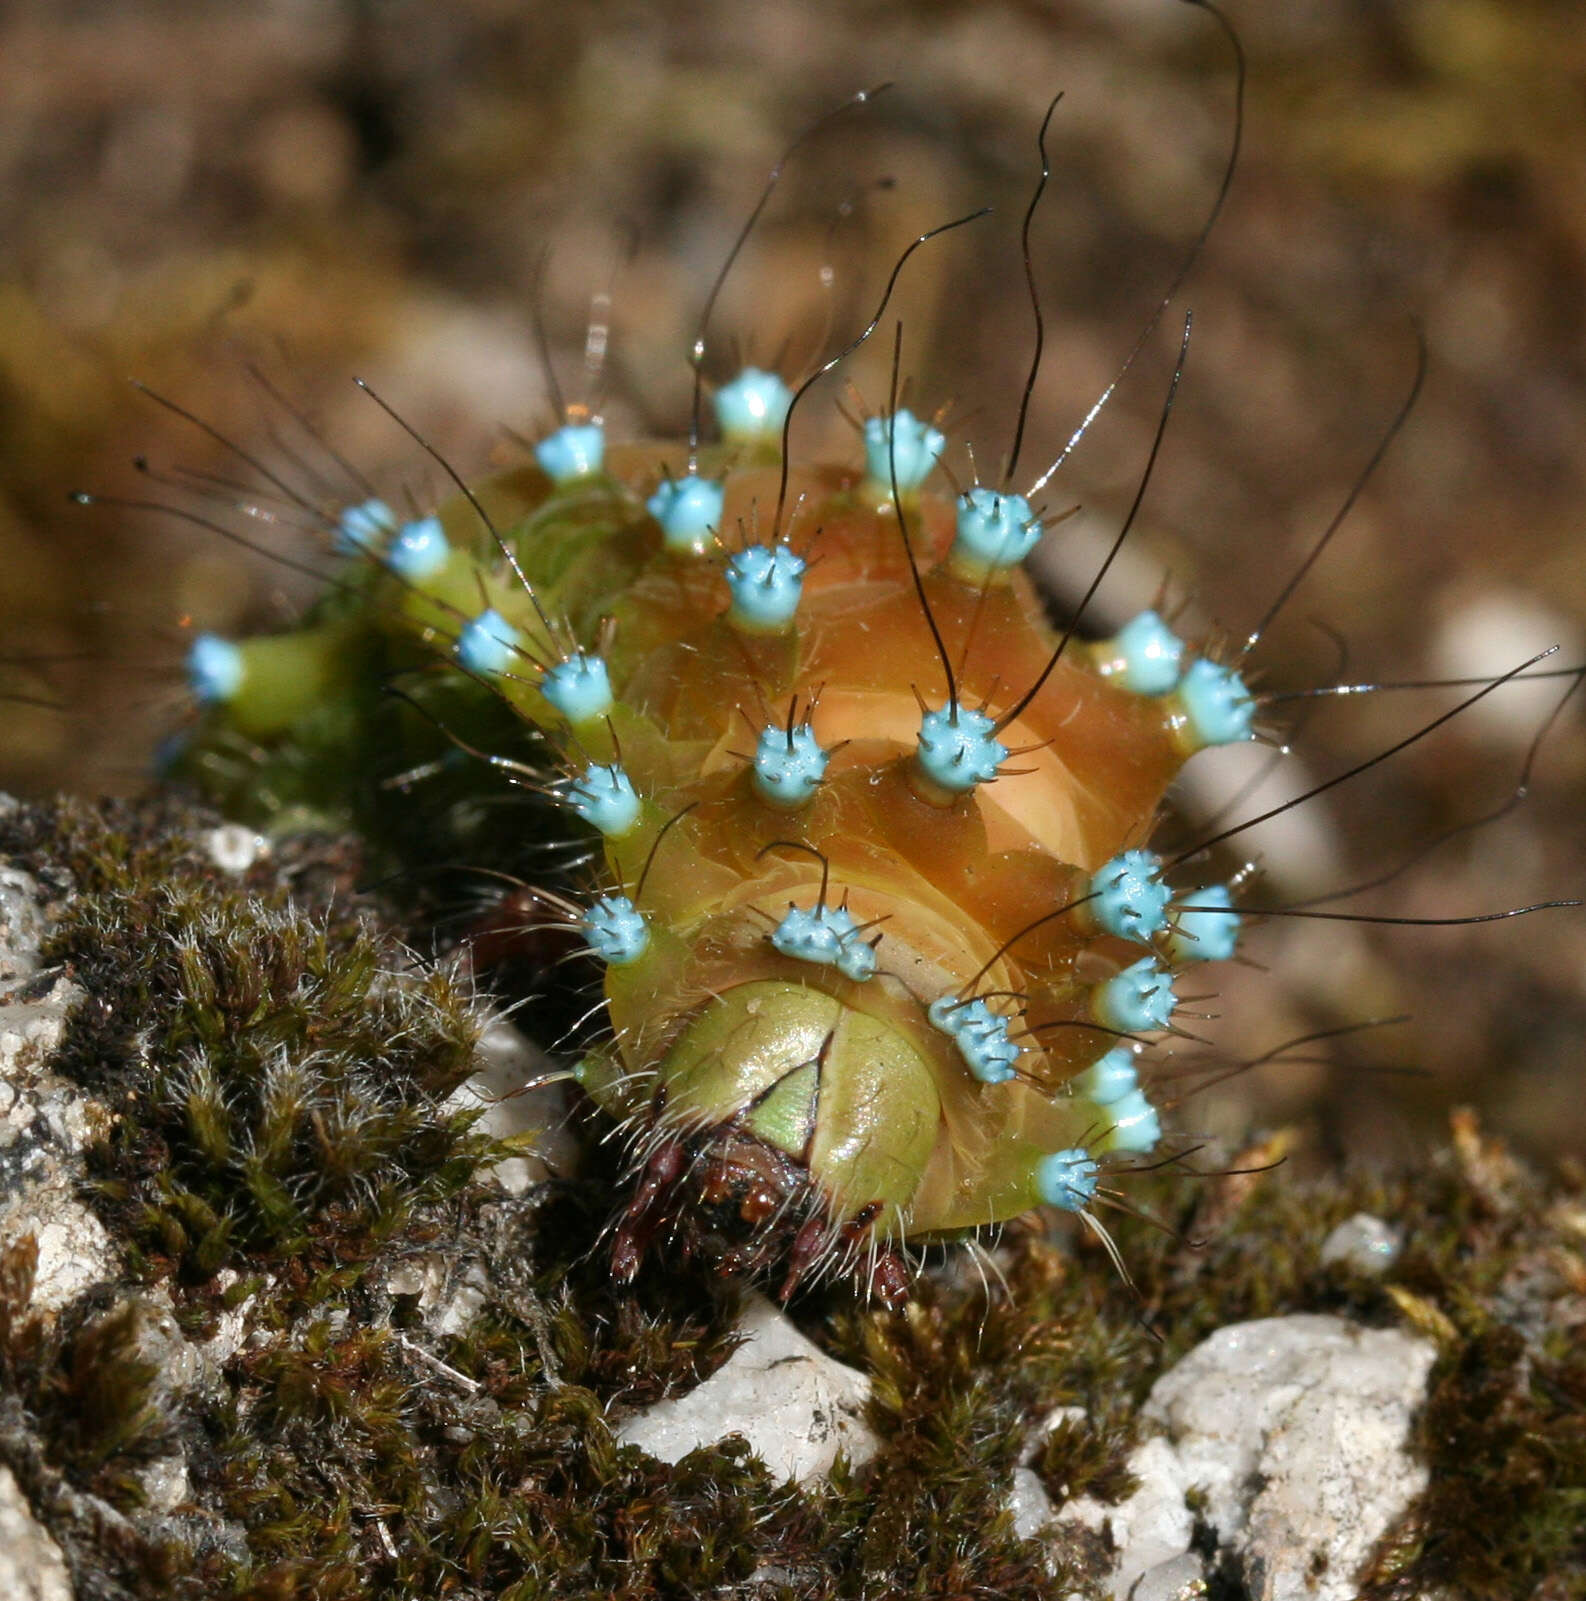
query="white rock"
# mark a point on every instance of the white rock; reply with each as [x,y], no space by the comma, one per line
[467,1301]
[164,1484]
[422,1274]
[1180,1578]
[796,1406]
[1029,1503]
[449,1299]
[75,1252]
[181,1365]
[1295,1430]
[31,1029]
[45,1121]
[31,1565]
[536,1120]
[234,848]
[232,1325]
[1365,1242]
[1153,1526]
[21,925]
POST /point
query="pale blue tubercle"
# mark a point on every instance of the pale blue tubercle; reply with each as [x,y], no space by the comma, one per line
[1112,1086]
[788,767]
[980,1035]
[363,528]
[579,688]
[1217,707]
[214,669]
[1206,928]
[1067,1179]
[1133,1124]
[419,550]
[1109,1078]
[995,531]
[616,931]
[1138,999]
[604,796]
[576,450]
[825,935]
[958,749]
[766,583]
[689,512]
[901,446]
[487,644]
[1129,898]
[753,406]
[1145,654]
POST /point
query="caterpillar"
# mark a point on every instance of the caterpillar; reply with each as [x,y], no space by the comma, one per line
[870,982]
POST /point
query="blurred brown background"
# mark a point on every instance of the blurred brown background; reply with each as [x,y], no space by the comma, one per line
[328,189]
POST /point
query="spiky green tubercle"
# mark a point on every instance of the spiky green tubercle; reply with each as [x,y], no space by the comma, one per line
[906,932]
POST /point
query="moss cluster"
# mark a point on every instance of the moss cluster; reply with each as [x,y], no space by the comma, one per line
[1502,1289]
[277,1088]
[358,1441]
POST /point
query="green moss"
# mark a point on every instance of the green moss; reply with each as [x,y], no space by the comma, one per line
[277,1085]
[79,1417]
[102,1392]
[85,1379]
[957,1382]
[1507,1509]
[1504,1426]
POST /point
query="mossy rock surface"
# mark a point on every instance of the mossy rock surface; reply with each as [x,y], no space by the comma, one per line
[284,1164]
